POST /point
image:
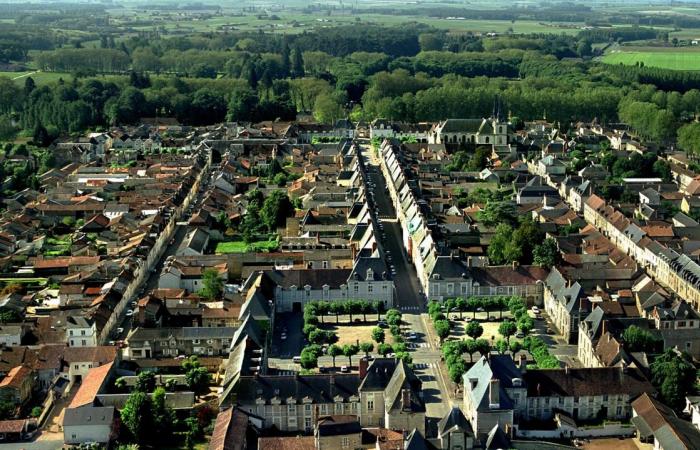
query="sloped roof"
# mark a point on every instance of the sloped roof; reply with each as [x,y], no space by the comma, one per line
[454,421]
[91,385]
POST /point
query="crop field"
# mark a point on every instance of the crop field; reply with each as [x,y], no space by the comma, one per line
[666,58]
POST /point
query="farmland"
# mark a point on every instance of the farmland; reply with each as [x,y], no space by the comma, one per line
[667,58]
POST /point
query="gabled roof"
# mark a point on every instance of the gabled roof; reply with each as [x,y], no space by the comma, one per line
[655,418]
[454,421]
[91,385]
[88,416]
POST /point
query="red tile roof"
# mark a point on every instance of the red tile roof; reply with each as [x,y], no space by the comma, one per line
[16,377]
[91,385]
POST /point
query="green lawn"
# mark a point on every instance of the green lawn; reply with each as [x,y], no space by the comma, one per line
[687,58]
[40,78]
[242,247]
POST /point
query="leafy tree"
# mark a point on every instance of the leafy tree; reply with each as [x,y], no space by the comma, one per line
[309,358]
[384,349]
[498,212]
[474,330]
[689,138]
[638,340]
[378,335]
[507,329]
[120,384]
[546,254]
[334,351]
[482,346]
[41,137]
[515,347]
[163,416]
[276,208]
[350,350]
[366,347]
[393,317]
[526,324]
[501,346]
[297,63]
[328,108]
[502,248]
[137,417]
[474,303]
[461,305]
[442,328]
[196,376]
[675,376]
[145,382]
[212,284]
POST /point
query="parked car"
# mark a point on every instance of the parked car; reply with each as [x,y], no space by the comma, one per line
[283,336]
[344,369]
[535,310]
[382,324]
[549,331]
[296,359]
[130,313]
[120,330]
[519,335]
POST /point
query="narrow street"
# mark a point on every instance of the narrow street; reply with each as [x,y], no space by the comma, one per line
[409,295]
[127,322]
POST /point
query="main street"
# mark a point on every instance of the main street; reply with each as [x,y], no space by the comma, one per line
[409,294]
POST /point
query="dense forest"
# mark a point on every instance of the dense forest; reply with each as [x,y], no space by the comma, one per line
[361,71]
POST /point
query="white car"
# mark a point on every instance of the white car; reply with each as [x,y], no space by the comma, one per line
[535,310]
[344,369]
[120,330]
[283,336]
[130,313]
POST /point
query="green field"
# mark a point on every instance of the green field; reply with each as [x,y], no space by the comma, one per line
[242,247]
[666,58]
[40,78]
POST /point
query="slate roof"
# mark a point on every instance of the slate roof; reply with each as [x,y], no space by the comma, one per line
[360,270]
[402,379]
[477,380]
[338,425]
[316,278]
[454,421]
[321,388]
[586,382]
[90,415]
[462,126]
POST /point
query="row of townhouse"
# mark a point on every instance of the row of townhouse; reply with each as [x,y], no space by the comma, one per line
[446,276]
[671,269]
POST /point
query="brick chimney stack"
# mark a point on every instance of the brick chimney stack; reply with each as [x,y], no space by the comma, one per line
[494,394]
[364,364]
[406,399]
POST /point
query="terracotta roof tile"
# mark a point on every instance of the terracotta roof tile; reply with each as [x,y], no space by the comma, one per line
[91,384]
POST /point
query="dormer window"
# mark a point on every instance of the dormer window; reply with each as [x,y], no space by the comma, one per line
[370,274]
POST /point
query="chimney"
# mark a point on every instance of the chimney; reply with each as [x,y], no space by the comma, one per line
[566,369]
[469,261]
[523,363]
[494,394]
[364,364]
[515,265]
[405,399]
